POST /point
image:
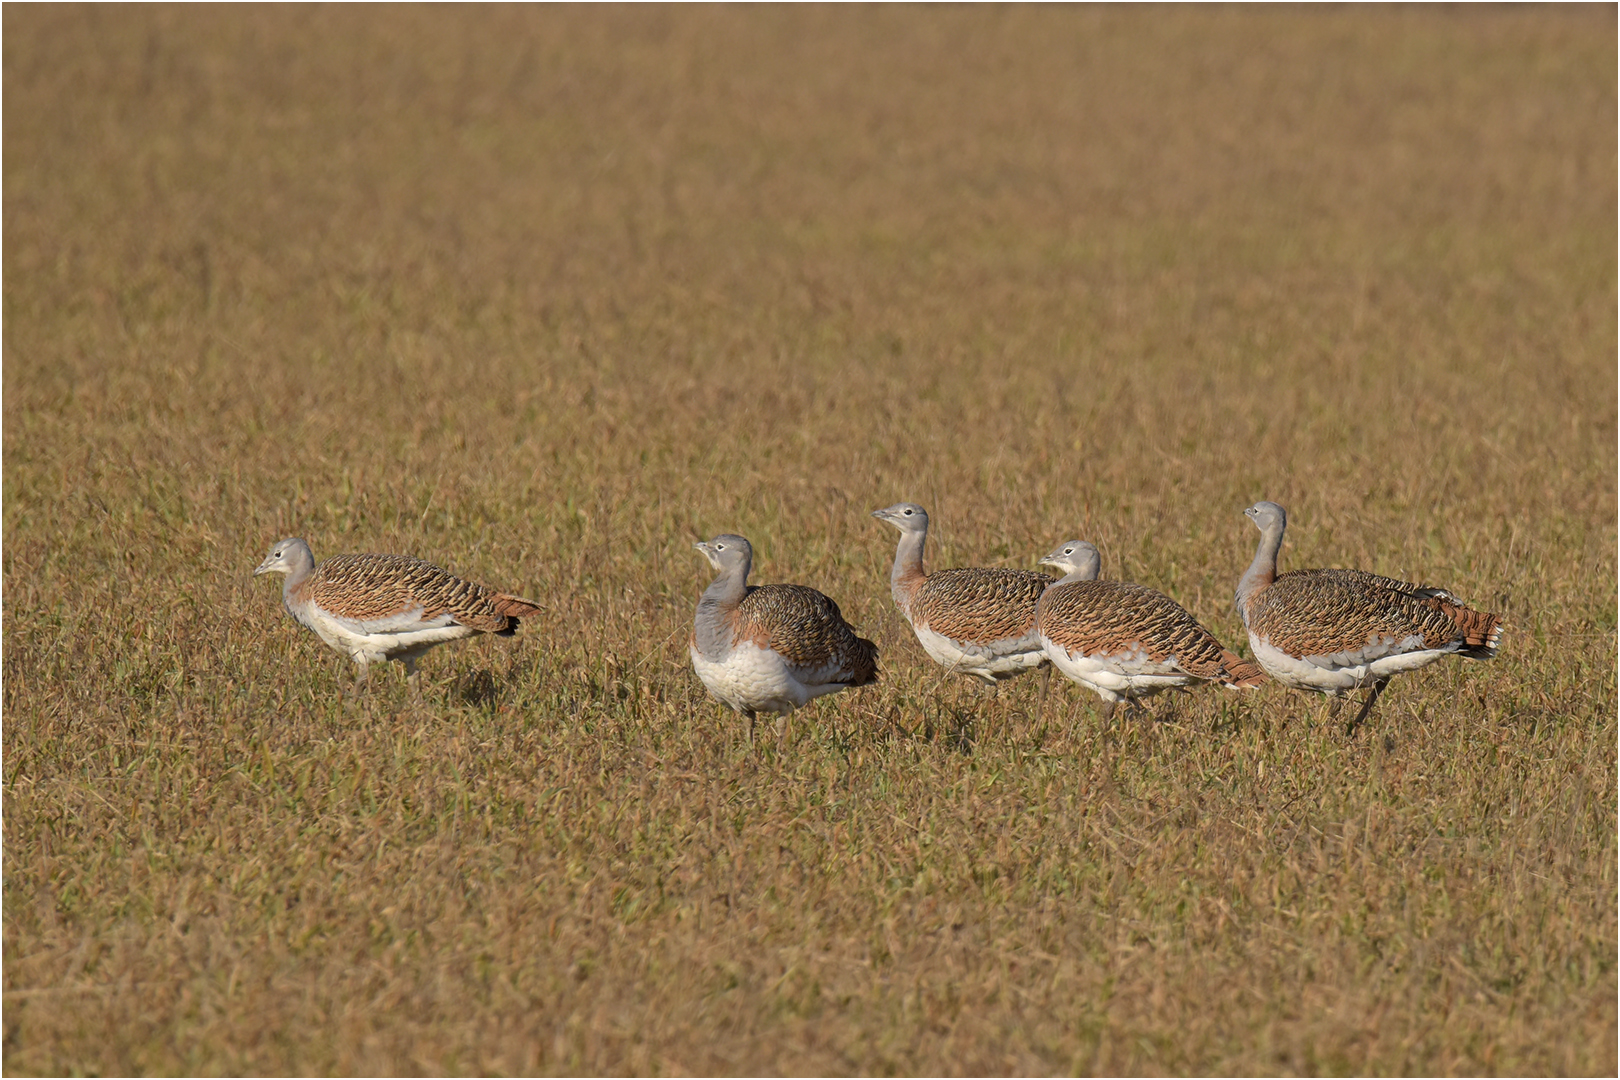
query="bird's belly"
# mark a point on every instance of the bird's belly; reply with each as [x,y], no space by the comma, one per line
[372,648]
[1117,675]
[986,660]
[752,679]
[1334,673]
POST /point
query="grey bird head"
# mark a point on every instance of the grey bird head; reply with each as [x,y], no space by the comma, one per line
[726,552]
[908,517]
[1075,557]
[1267,515]
[289,556]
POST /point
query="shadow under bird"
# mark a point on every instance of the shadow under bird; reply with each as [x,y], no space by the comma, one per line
[373,608]
[973,621]
[1127,641]
[1334,630]
[771,648]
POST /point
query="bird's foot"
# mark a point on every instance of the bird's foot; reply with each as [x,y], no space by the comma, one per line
[1366,707]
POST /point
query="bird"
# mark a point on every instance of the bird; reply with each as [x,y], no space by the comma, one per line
[1127,641]
[373,608]
[973,621]
[771,648]
[1335,630]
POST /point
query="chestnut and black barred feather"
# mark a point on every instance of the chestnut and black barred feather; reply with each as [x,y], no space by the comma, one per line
[370,587]
[1329,612]
[978,604]
[807,630]
[1118,619]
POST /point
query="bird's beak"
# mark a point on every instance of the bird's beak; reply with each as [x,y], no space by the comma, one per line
[262,568]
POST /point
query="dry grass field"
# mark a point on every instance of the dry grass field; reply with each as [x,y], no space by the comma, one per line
[546,294]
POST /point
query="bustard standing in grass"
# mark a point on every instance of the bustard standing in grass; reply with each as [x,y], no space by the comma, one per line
[1334,630]
[373,608]
[1127,641]
[771,648]
[974,621]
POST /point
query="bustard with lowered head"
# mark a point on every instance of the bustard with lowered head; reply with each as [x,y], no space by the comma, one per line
[974,621]
[373,608]
[1127,641]
[771,648]
[1334,630]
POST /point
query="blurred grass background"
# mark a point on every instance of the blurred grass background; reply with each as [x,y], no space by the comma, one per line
[544,294]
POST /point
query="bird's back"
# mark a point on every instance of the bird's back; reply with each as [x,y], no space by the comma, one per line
[374,589]
[978,605]
[1094,618]
[1328,612]
[808,631]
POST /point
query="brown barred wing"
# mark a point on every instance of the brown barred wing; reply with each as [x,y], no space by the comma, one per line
[1113,618]
[377,590]
[979,605]
[808,631]
[1332,612]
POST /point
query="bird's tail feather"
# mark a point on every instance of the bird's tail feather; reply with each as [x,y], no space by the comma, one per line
[1238,673]
[1481,631]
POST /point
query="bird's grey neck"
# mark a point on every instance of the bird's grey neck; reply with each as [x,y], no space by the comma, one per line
[1262,571]
[712,627]
[728,588]
[908,565]
[301,564]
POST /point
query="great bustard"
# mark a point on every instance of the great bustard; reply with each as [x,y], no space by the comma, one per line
[973,621]
[1334,630]
[1127,641]
[373,608]
[771,648]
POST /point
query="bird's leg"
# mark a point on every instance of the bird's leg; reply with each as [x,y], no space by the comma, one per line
[748,726]
[413,685]
[1110,709]
[996,699]
[1169,713]
[781,733]
[1040,699]
[1366,706]
[362,678]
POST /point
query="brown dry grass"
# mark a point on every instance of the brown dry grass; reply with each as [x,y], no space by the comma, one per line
[545,294]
